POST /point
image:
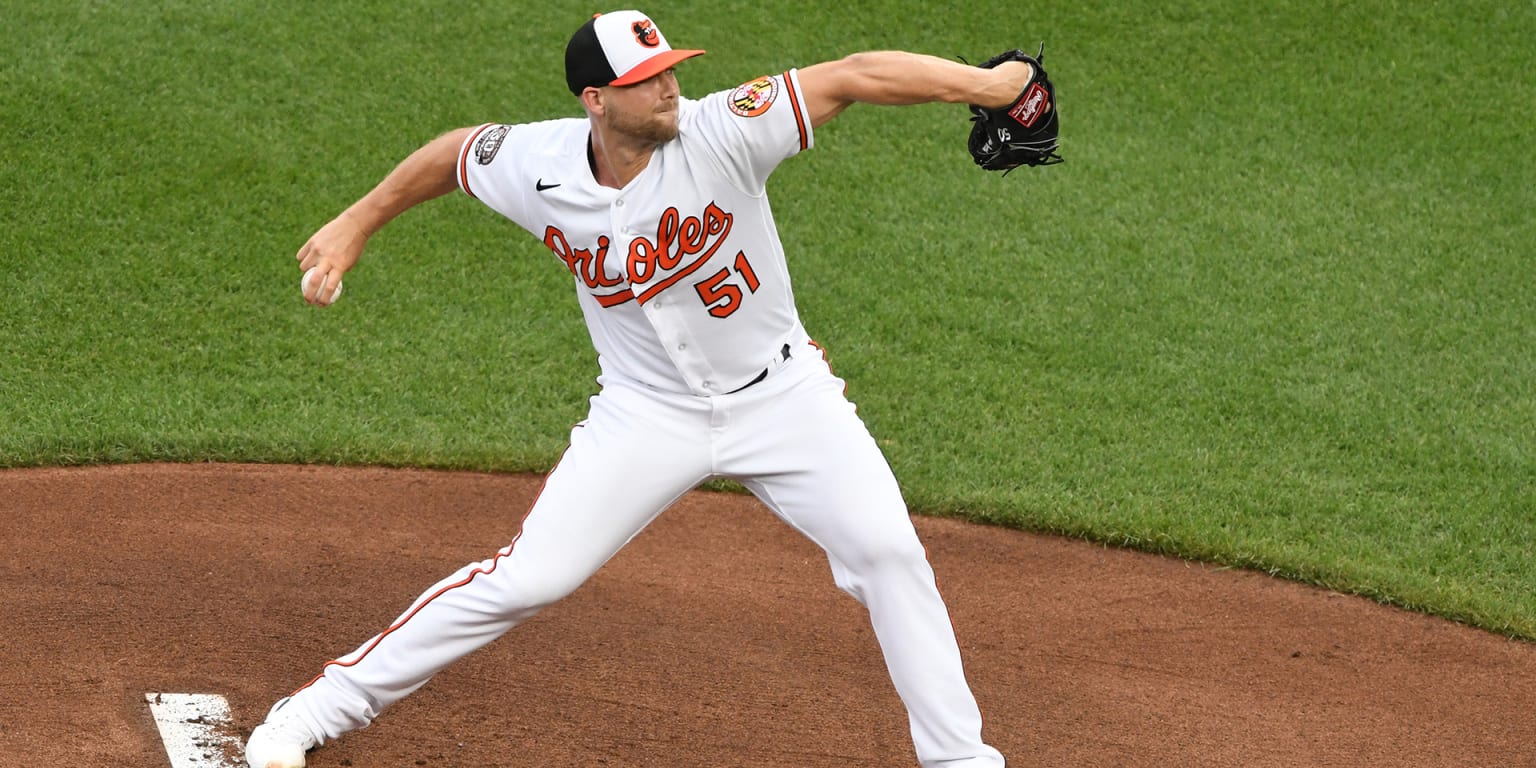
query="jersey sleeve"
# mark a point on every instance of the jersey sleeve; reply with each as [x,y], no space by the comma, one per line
[754,127]
[488,174]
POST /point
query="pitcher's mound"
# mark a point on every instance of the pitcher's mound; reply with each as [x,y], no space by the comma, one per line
[715,639]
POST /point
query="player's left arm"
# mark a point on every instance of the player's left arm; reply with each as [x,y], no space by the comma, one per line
[897,78]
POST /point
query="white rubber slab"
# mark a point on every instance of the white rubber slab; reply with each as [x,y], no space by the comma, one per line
[195,728]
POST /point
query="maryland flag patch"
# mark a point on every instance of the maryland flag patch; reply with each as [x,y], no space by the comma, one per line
[754,98]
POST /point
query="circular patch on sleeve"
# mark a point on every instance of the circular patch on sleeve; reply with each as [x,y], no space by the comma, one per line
[754,98]
[490,143]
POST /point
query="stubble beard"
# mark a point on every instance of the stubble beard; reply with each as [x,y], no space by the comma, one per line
[657,127]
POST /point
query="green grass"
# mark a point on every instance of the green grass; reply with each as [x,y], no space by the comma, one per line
[1275,311]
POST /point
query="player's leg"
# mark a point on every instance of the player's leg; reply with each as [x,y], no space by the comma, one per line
[632,458]
[819,470]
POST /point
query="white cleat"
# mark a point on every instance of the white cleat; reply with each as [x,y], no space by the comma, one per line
[280,742]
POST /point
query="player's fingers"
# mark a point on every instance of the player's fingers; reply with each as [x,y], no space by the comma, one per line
[315,258]
[327,291]
[321,288]
[314,281]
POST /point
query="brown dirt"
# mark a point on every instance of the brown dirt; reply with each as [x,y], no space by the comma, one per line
[715,639]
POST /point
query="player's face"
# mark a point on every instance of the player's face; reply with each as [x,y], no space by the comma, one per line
[646,110]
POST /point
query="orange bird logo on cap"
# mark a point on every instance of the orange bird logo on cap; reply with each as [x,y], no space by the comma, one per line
[645,33]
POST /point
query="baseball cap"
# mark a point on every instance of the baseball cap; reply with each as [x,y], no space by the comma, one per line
[618,48]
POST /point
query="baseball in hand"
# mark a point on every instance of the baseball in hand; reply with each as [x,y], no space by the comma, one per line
[312,273]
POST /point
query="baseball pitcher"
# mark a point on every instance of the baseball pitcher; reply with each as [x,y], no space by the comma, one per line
[656,205]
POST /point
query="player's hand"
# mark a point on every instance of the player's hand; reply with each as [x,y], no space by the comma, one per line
[334,249]
[1007,82]
[1020,130]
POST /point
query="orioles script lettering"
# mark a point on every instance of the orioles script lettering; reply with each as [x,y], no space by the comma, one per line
[682,245]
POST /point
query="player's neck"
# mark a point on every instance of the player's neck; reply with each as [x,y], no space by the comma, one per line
[616,161]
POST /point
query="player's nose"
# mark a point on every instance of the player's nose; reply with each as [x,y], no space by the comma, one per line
[669,87]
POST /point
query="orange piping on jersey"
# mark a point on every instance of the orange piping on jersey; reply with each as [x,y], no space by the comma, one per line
[794,105]
[464,159]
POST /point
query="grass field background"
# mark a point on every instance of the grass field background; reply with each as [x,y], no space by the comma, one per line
[1275,311]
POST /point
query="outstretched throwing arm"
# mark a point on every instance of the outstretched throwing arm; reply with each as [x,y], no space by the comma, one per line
[428,173]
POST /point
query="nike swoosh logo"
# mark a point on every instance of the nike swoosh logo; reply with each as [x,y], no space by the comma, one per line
[541,186]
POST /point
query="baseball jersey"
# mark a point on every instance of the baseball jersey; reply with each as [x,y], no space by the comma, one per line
[680,275]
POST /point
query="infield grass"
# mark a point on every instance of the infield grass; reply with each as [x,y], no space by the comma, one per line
[1275,311]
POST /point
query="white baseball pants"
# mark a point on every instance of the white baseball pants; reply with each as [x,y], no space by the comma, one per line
[795,441]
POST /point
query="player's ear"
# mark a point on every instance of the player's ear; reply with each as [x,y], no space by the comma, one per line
[592,99]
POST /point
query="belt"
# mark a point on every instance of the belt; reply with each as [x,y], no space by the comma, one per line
[783,356]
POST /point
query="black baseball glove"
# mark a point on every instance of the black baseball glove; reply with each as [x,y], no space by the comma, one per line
[1022,133]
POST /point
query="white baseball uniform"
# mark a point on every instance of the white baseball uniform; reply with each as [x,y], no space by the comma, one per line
[706,372]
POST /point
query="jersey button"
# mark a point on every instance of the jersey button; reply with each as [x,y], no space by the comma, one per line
[707,384]
[682,347]
[620,203]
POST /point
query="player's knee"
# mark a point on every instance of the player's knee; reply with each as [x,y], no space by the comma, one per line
[882,567]
[887,553]
[521,598]
[551,590]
